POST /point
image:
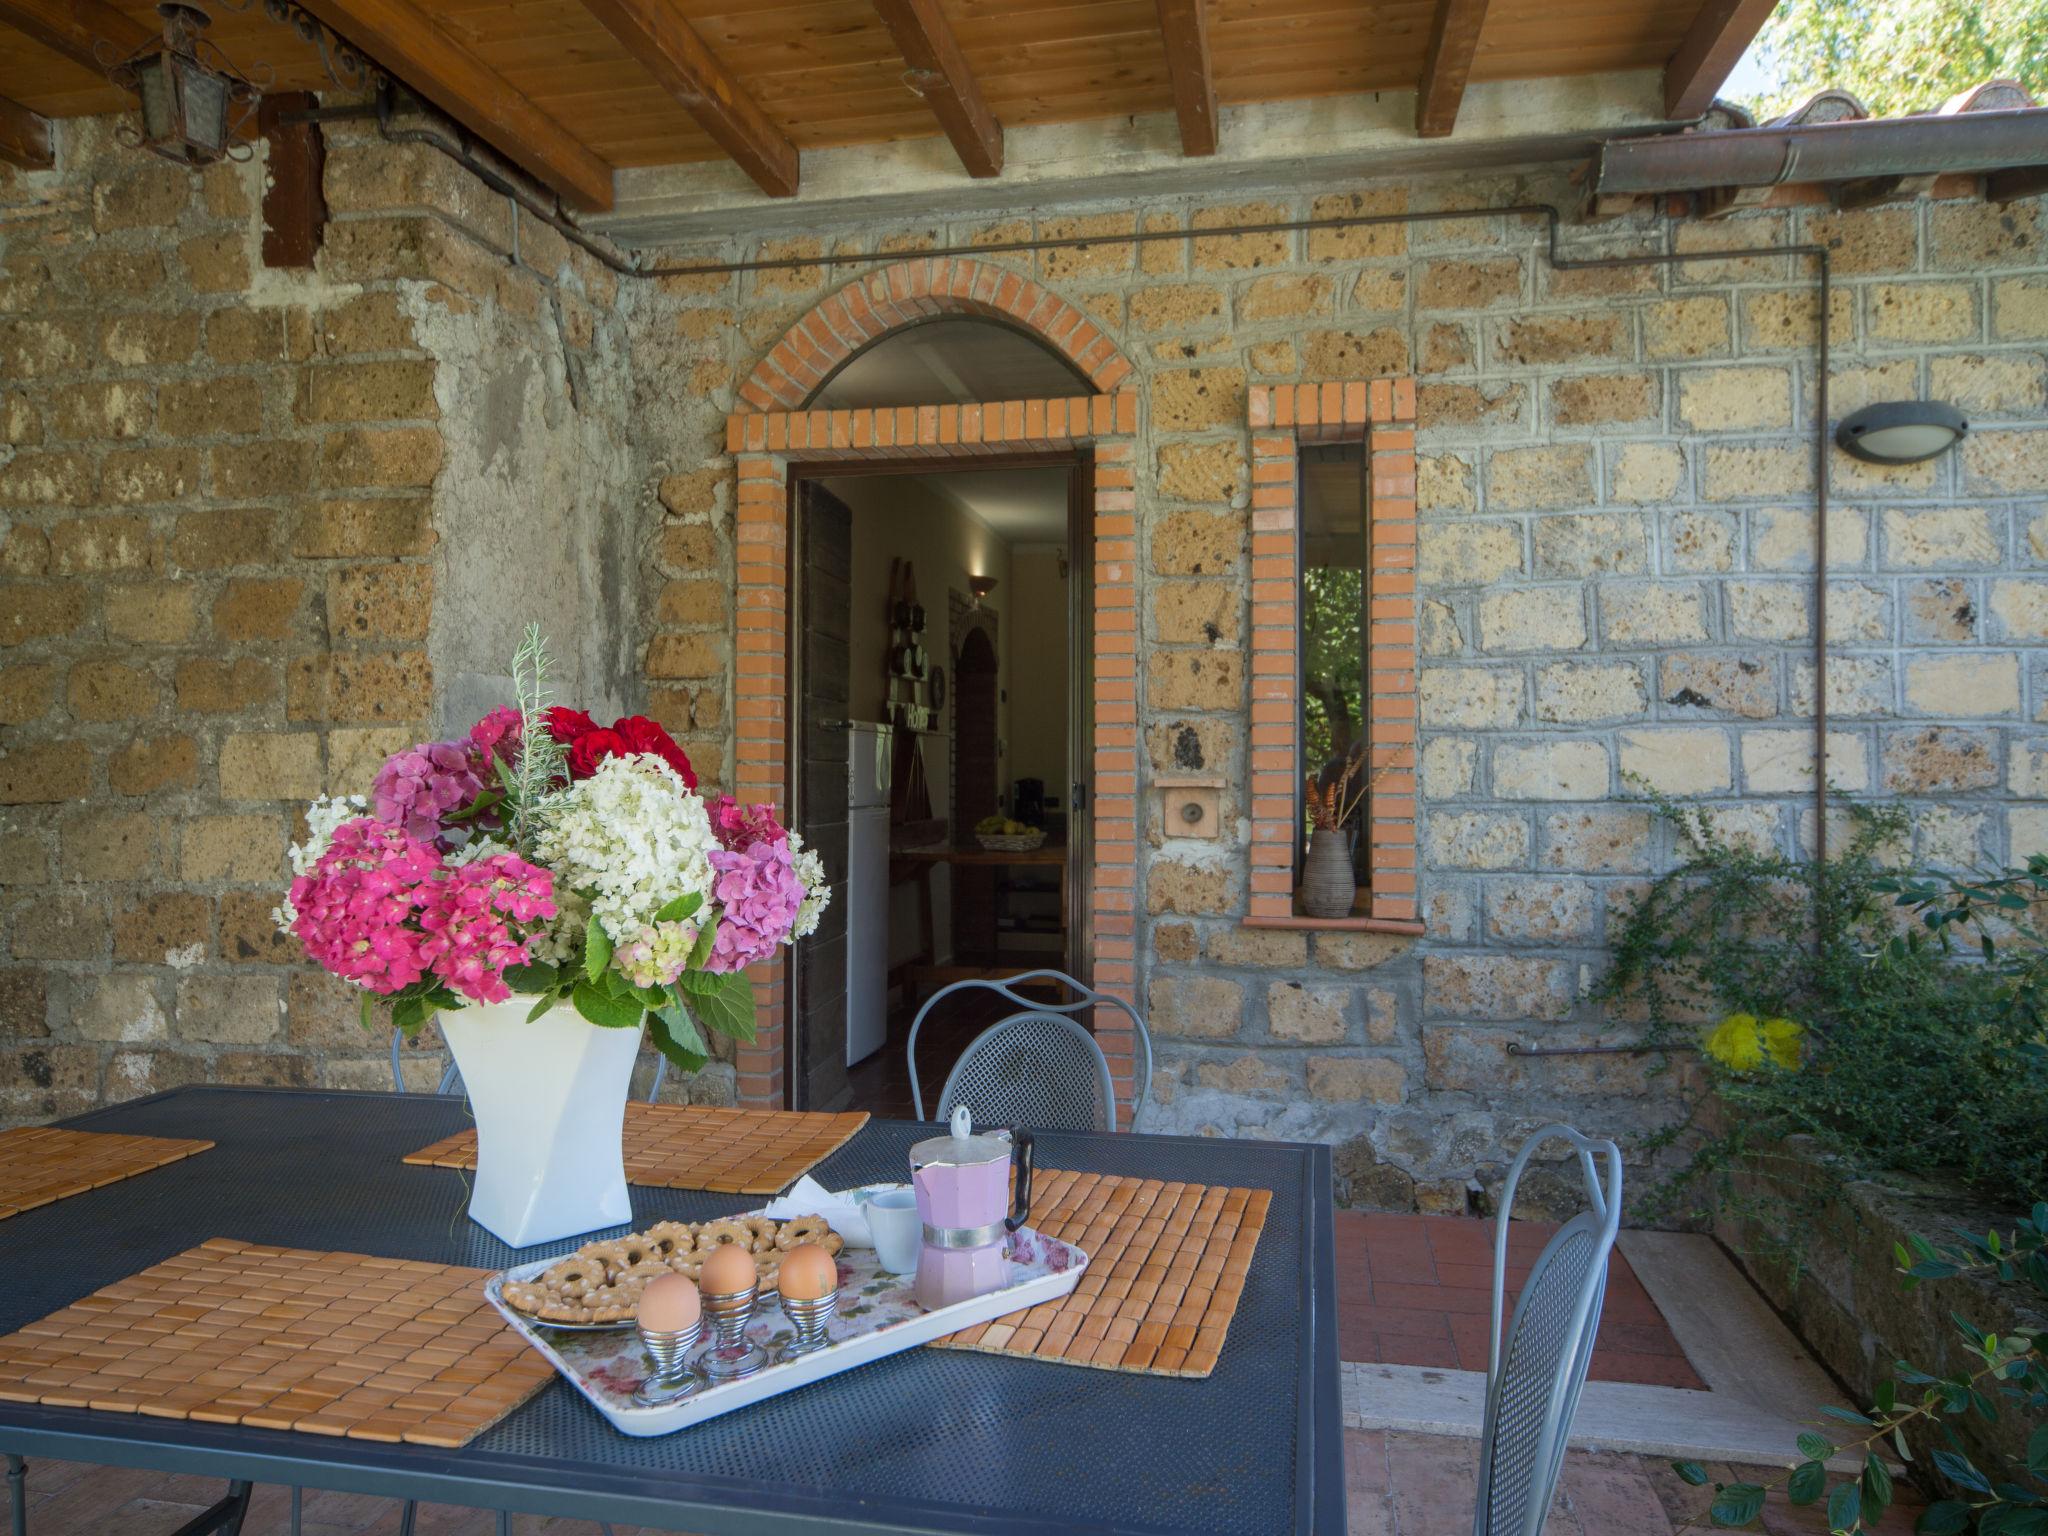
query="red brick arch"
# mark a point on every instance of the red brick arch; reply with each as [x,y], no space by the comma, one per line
[917,288]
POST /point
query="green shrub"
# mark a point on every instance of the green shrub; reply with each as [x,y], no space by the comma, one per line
[1909,1056]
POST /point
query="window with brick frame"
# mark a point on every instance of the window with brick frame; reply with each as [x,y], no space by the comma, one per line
[1333,588]
[1379,417]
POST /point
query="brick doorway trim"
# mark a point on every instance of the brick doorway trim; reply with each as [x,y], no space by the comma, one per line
[770,436]
[1381,414]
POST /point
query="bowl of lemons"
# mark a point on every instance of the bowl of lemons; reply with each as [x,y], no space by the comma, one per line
[1000,834]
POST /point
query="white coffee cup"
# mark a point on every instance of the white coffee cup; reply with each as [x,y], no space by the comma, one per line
[894,1224]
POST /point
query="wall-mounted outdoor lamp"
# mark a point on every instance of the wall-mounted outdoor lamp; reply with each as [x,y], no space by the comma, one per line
[194,102]
[1901,431]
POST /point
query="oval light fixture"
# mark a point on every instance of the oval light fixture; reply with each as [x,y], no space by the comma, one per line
[1901,431]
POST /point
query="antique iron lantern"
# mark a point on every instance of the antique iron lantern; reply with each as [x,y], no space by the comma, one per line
[194,102]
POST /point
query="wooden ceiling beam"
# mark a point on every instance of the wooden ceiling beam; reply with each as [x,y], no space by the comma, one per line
[1717,39]
[24,137]
[1453,40]
[939,73]
[406,40]
[1184,26]
[75,28]
[670,49]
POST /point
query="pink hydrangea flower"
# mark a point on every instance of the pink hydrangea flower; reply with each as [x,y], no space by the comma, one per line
[469,943]
[758,892]
[381,909]
[740,827]
[419,788]
[497,734]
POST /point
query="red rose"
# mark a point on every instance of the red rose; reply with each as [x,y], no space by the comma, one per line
[591,748]
[569,725]
[641,734]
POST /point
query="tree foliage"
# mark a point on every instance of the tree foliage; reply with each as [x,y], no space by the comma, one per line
[1899,56]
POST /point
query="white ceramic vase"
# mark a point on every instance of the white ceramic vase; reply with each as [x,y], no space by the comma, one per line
[550,1105]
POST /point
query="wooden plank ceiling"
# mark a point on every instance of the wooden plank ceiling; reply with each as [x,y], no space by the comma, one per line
[571,88]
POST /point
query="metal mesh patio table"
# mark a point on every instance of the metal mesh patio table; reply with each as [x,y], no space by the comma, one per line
[925,1441]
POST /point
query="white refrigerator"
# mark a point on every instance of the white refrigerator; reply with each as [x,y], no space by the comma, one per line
[869,749]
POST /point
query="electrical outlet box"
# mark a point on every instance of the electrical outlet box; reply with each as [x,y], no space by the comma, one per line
[1191,804]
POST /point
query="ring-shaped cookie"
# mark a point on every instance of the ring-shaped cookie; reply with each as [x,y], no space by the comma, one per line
[801,1229]
[614,1303]
[669,1238]
[715,1234]
[644,1271]
[616,1257]
[574,1277]
[762,1232]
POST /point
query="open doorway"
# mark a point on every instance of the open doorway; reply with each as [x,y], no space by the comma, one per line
[942,739]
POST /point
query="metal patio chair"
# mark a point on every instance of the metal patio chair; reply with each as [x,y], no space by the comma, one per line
[1536,1371]
[1039,1067]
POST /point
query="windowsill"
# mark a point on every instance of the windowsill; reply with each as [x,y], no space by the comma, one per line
[1336,924]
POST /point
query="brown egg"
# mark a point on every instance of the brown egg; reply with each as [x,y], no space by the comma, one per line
[730,1268]
[669,1304]
[808,1273]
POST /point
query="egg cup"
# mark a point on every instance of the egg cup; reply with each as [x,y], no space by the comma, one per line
[673,1378]
[732,1354]
[808,1318]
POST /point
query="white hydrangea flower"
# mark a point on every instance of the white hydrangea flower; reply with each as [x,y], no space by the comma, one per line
[476,848]
[556,943]
[810,868]
[322,817]
[633,836]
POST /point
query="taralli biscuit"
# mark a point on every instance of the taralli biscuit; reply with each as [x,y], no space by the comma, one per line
[617,1256]
[802,1229]
[574,1277]
[641,1273]
[767,1270]
[715,1233]
[671,1238]
[614,1303]
[764,1229]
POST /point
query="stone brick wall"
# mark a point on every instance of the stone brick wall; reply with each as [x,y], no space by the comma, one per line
[248,520]
[1614,579]
[261,526]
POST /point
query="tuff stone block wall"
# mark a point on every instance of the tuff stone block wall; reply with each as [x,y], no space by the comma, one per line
[229,494]
[245,520]
[1613,572]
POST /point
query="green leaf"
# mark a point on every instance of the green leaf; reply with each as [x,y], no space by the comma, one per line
[597,949]
[1808,1482]
[1847,1415]
[662,1028]
[538,976]
[1815,1447]
[683,1029]
[707,935]
[2037,1451]
[722,1002]
[1845,1507]
[605,1011]
[1737,1504]
[547,1001]
[1956,1467]
[1877,1486]
[1948,1518]
[683,906]
[1691,1471]
[366,1012]
[409,1014]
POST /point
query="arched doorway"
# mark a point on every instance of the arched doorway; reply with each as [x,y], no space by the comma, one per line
[779,446]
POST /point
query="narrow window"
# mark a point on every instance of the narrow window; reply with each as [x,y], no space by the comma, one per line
[1334,594]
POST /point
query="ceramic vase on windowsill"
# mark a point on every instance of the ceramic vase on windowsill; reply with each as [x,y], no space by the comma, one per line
[1328,886]
[550,1103]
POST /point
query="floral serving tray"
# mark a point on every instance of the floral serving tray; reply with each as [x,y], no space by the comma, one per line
[877,1316]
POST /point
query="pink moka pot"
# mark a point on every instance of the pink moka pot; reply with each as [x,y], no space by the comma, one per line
[963,1199]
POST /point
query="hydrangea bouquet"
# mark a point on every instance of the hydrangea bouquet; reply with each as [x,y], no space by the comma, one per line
[549,856]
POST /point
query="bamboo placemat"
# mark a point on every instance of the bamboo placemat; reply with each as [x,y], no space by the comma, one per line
[42,1163]
[1166,1264]
[284,1338]
[695,1146]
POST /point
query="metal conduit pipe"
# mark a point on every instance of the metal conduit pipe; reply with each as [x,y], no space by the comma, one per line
[1841,151]
[1552,222]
